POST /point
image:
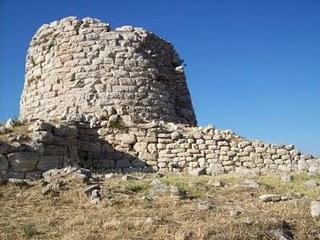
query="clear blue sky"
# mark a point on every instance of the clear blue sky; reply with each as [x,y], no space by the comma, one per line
[252,66]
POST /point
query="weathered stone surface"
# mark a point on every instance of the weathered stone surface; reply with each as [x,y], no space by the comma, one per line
[127,138]
[175,135]
[15,174]
[175,192]
[95,196]
[270,198]
[23,161]
[53,174]
[89,189]
[281,229]
[281,234]
[216,183]
[234,212]
[9,124]
[65,131]
[315,209]
[90,146]
[34,175]
[5,148]
[205,205]
[215,169]
[3,176]
[43,137]
[130,84]
[49,162]
[158,189]
[40,125]
[4,130]
[250,183]
[54,150]
[80,175]
[109,175]
[311,183]
[123,163]
[247,171]
[198,171]
[127,178]
[4,165]
[314,168]
[52,187]
[285,178]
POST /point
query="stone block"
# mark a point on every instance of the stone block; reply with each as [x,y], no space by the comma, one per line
[54,150]
[49,162]
[138,163]
[4,165]
[23,161]
[198,171]
[15,174]
[5,148]
[282,151]
[3,176]
[123,163]
[147,156]
[40,125]
[89,146]
[106,164]
[34,175]
[65,131]
[42,136]
[215,169]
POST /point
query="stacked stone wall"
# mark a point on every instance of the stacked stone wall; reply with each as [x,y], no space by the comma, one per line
[77,67]
[153,146]
[181,148]
[49,146]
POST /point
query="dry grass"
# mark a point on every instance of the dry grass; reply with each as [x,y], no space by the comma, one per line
[19,128]
[26,214]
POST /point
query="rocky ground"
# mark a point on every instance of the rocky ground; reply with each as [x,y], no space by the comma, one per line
[76,204]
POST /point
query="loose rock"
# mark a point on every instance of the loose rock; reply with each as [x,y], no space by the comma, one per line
[198,171]
[216,183]
[249,183]
[109,176]
[158,188]
[270,198]
[128,178]
[315,209]
[88,190]
[311,183]
[205,205]
[175,192]
[286,178]
[9,124]
[281,234]
[52,187]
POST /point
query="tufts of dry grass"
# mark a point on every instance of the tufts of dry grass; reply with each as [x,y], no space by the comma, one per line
[126,213]
[20,128]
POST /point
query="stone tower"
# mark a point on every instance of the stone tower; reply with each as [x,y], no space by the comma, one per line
[126,95]
[79,67]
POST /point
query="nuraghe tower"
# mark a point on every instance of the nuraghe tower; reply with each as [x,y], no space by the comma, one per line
[105,98]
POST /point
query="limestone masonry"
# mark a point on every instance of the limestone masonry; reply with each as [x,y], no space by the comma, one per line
[78,67]
[118,99]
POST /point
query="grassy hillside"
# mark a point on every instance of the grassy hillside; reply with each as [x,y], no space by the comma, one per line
[132,208]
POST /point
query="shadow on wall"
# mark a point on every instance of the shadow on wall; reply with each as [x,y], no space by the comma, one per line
[96,153]
[57,146]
